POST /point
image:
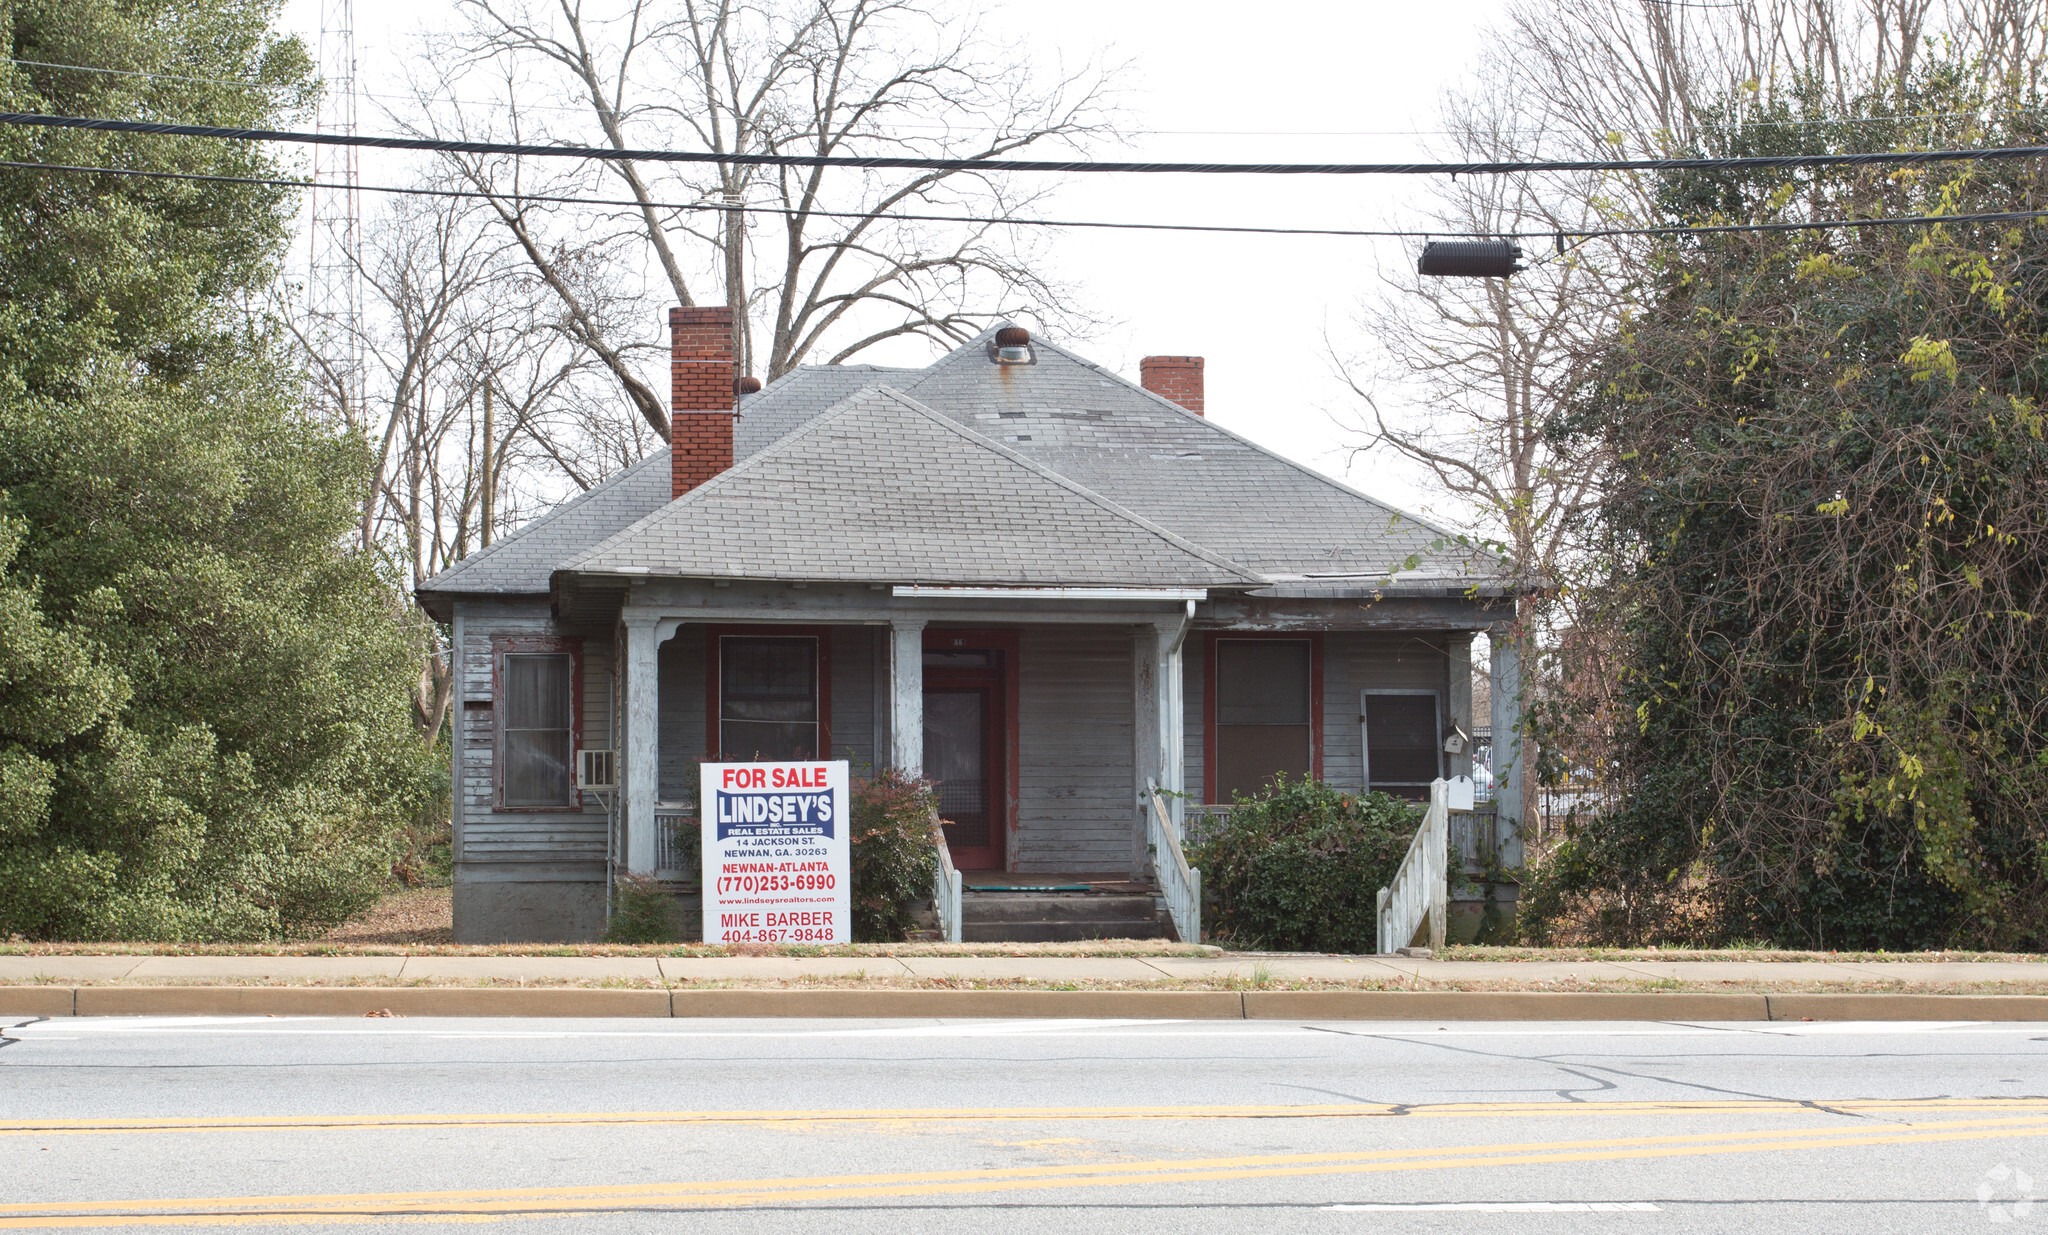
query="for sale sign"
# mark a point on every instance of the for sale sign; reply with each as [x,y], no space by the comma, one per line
[777,866]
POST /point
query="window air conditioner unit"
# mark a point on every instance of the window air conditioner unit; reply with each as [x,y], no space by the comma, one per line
[597,769]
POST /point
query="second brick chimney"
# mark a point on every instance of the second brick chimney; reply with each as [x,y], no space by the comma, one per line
[1178,378]
[702,374]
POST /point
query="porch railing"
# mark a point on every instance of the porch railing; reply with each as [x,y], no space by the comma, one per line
[1180,884]
[1421,890]
[945,885]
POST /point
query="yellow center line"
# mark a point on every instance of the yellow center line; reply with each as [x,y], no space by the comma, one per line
[492,1204]
[230,1123]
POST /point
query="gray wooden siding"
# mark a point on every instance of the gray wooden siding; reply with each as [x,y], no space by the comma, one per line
[1075,810]
[1352,661]
[484,833]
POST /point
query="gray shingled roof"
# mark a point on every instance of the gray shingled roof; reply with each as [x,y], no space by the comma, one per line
[1183,472]
[1143,454]
[882,489]
[523,562]
[792,399]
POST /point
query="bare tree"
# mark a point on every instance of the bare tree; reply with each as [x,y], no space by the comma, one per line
[814,261]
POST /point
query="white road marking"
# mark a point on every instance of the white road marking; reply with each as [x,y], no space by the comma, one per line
[1505,1207]
[72,1028]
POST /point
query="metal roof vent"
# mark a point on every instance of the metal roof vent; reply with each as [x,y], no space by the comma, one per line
[1013,345]
[748,385]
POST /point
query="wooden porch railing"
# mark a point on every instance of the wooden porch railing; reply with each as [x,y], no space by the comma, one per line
[1421,891]
[945,885]
[1180,884]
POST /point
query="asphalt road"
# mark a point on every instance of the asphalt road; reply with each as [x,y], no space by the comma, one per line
[919,1126]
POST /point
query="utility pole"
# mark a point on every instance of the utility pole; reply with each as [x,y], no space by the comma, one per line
[490,480]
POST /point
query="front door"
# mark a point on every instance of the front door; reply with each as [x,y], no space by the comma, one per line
[965,744]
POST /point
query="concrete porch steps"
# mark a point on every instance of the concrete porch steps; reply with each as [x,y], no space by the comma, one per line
[1059,917]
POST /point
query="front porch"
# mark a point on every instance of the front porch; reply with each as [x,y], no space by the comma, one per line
[1040,726]
[1042,715]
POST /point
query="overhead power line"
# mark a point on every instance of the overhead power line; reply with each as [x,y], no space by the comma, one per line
[583,109]
[899,162]
[1572,233]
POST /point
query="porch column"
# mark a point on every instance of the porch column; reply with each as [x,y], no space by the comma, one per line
[906,695]
[642,754]
[1460,700]
[1507,746]
[1158,741]
[1146,727]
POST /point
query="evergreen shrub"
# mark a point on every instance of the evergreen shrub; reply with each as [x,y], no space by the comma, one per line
[893,855]
[1299,867]
[642,912]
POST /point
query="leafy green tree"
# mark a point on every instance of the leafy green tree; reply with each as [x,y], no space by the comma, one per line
[204,728]
[1826,546]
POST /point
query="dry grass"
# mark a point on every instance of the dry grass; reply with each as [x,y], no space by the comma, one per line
[1464,952]
[868,983]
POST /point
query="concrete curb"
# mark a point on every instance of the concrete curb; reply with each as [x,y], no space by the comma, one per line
[48,1001]
[1508,1006]
[1116,1005]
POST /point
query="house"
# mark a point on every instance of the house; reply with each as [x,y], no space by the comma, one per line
[1038,582]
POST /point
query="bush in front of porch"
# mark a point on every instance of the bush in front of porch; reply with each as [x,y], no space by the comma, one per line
[894,853]
[1299,867]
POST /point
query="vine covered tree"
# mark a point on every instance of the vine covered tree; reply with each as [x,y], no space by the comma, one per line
[1824,539]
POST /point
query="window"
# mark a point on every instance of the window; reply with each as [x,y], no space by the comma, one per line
[768,698]
[539,728]
[1263,713]
[1403,741]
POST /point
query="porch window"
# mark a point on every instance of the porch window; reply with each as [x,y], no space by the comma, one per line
[768,698]
[1262,713]
[539,729]
[1403,741]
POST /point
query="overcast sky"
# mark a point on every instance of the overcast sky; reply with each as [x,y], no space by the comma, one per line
[1293,82]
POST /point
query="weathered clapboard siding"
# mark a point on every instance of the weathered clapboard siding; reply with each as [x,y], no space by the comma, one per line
[1352,661]
[1074,719]
[853,697]
[682,711]
[482,832]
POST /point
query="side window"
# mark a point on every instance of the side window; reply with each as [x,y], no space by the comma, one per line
[538,730]
[1262,713]
[1403,742]
[768,698]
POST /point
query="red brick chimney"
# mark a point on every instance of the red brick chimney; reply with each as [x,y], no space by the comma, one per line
[701,396]
[1178,378]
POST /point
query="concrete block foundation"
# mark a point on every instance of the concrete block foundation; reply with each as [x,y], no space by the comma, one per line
[542,911]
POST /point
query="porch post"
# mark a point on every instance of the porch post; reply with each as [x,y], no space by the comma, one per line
[906,694]
[1146,727]
[1460,700]
[1158,746]
[643,745]
[1507,746]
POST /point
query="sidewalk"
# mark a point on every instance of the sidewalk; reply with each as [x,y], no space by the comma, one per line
[1226,971]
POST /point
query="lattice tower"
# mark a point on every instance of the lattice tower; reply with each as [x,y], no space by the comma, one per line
[334,285]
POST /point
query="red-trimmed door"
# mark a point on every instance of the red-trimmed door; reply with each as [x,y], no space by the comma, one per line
[968,698]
